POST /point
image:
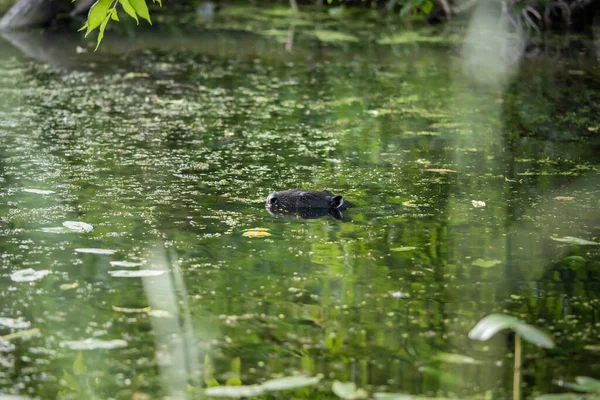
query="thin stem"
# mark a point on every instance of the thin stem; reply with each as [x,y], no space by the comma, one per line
[517,368]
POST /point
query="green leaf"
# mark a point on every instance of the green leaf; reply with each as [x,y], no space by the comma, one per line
[129,10]
[101,32]
[141,9]
[84,27]
[427,7]
[97,14]
[574,261]
[480,262]
[79,367]
[113,15]
[158,1]
[233,381]
[236,365]
[406,8]
[403,248]
[289,382]
[584,384]
[492,324]
[454,358]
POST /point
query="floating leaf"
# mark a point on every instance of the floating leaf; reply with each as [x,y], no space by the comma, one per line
[93,344]
[160,314]
[138,273]
[132,310]
[574,261]
[574,240]
[58,229]
[440,170]
[403,248]
[477,203]
[95,251]
[492,324]
[234,391]
[78,226]
[454,358]
[69,286]
[28,275]
[125,264]
[14,323]
[480,262]
[21,334]
[334,36]
[256,232]
[141,9]
[564,198]
[593,347]
[289,382]
[39,191]
[347,391]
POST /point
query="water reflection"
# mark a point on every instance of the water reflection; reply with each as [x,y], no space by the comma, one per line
[460,194]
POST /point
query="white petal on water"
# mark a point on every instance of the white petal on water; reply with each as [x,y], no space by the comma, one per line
[234,391]
[95,251]
[125,264]
[78,226]
[138,273]
[39,191]
[14,323]
[28,275]
[289,382]
[58,229]
[93,344]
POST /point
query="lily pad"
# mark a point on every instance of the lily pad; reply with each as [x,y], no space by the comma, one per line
[93,344]
[78,226]
[28,275]
[95,251]
[574,240]
[14,323]
[138,273]
[492,324]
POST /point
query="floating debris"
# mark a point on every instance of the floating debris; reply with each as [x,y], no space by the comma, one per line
[125,264]
[14,323]
[78,226]
[95,251]
[93,344]
[28,275]
[39,191]
[140,273]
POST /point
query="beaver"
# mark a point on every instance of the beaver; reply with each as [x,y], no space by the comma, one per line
[306,203]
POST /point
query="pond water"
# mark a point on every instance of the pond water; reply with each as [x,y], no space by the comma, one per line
[464,183]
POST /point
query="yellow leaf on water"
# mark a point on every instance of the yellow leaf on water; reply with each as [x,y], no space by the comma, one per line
[564,198]
[256,232]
